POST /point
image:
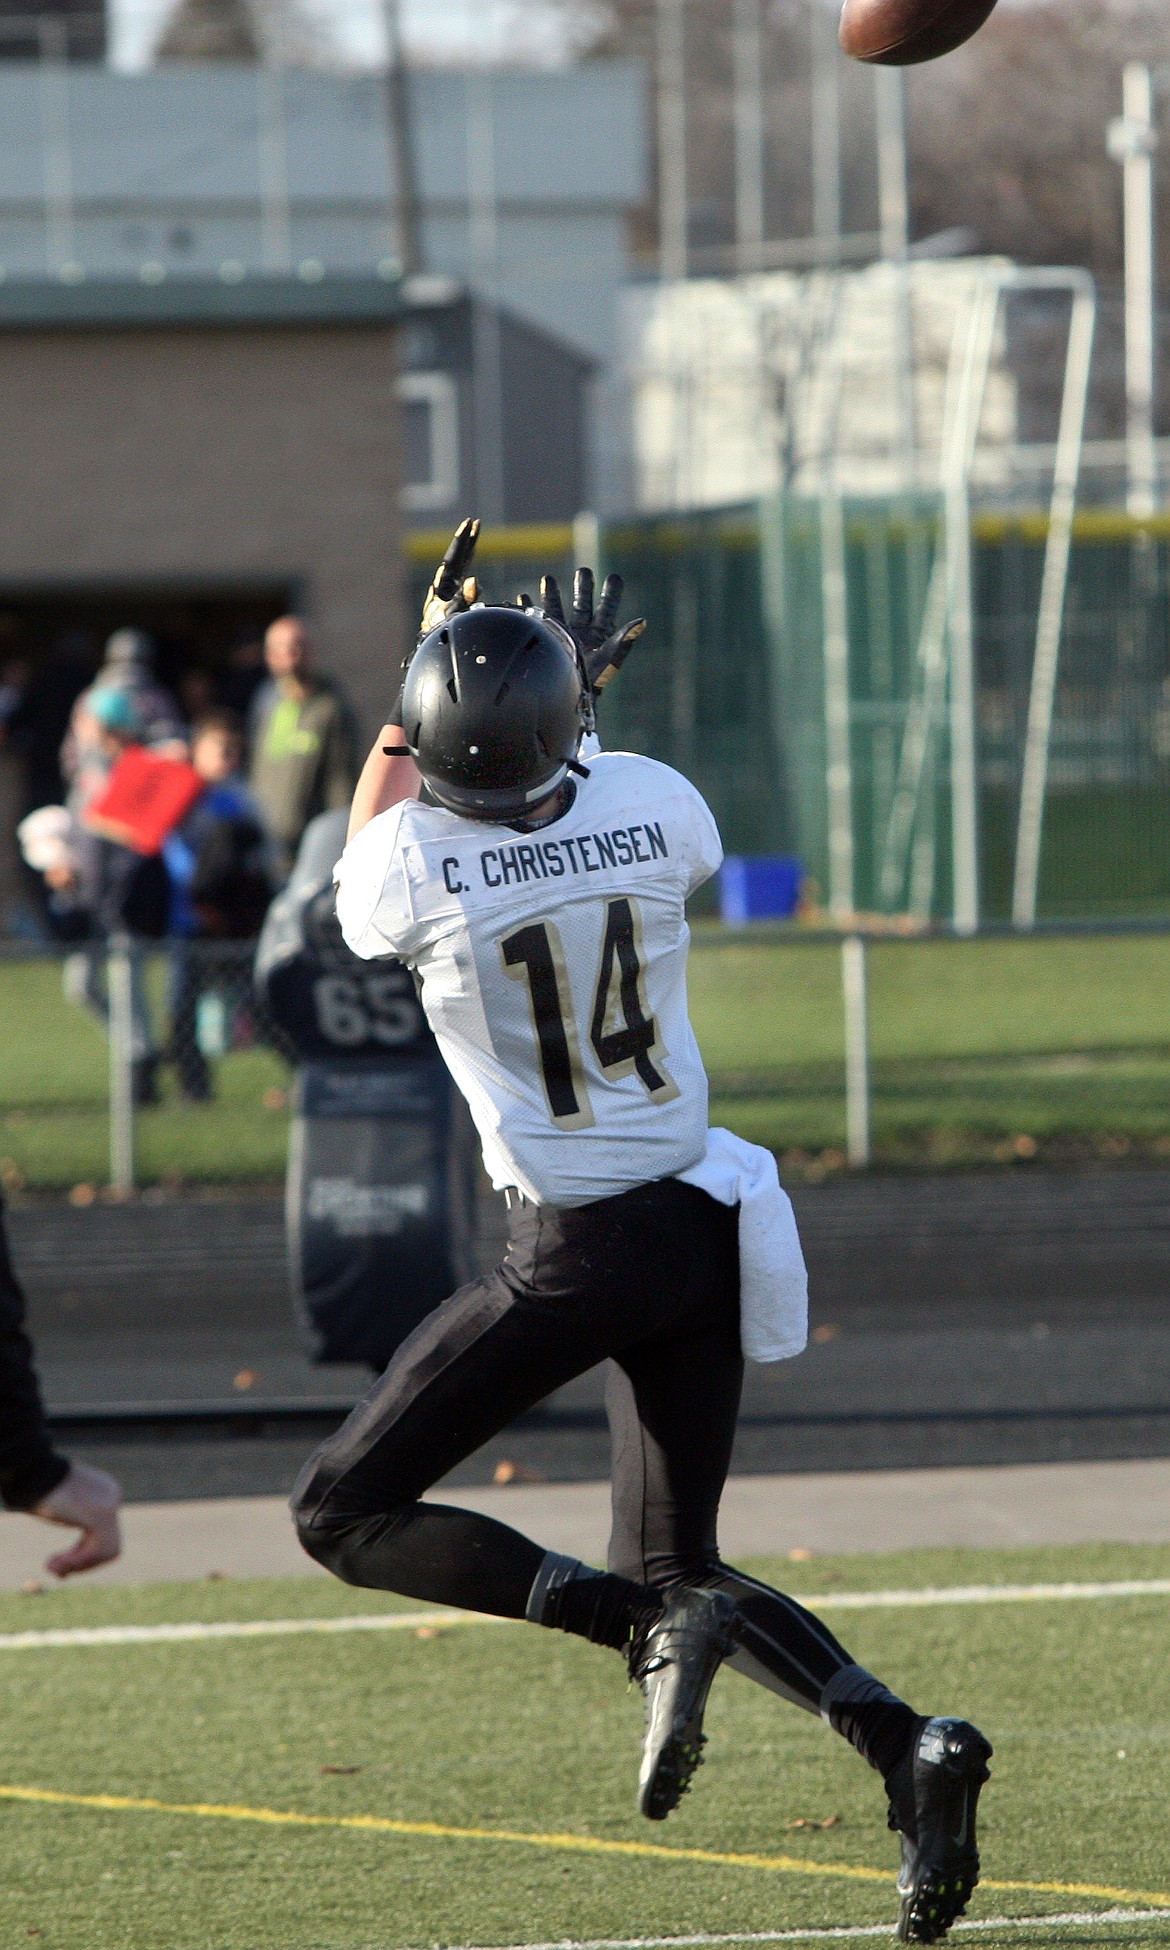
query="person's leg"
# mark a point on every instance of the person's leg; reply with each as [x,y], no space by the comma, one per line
[188,1058]
[83,981]
[792,1652]
[565,1294]
[143,1047]
[672,1402]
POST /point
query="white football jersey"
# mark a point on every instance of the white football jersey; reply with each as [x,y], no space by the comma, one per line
[553,971]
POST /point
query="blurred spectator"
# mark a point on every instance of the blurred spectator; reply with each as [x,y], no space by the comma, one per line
[243,676]
[14,676]
[14,679]
[34,1476]
[41,719]
[303,746]
[197,692]
[85,754]
[98,888]
[53,843]
[222,881]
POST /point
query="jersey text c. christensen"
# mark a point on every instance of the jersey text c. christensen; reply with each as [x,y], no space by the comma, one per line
[622,846]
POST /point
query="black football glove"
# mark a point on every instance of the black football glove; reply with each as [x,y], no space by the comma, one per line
[451,591]
[601,646]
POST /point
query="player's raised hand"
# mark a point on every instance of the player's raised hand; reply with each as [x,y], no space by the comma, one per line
[603,647]
[453,588]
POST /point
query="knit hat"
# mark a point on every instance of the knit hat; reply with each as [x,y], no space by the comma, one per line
[114,709]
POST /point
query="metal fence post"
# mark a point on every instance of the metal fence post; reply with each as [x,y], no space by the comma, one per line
[1053,588]
[838,717]
[120,1006]
[853,993]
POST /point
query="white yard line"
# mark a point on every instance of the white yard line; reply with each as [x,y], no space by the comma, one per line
[253,1628]
[405,1621]
[986,1594]
[1074,1920]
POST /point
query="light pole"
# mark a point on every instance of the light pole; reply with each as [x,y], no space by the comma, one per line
[1132,140]
[272,156]
[57,151]
[826,133]
[893,203]
[748,54]
[487,354]
[894,220]
[399,129]
[670,25]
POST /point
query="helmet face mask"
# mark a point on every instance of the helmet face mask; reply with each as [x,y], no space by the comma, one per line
[493,709]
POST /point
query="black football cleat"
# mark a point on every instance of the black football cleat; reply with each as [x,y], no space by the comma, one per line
[933,1796]
[674,1661]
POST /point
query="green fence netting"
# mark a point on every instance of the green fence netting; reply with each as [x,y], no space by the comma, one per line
[1106,846]
[728,685]
[889,551]
[698,692]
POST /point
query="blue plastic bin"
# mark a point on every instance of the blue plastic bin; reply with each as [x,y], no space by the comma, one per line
[759,887]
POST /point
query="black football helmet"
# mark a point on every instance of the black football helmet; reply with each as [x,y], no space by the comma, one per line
[493,707]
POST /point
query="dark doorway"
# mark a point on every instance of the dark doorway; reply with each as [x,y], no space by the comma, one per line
[207,651]
[192,628]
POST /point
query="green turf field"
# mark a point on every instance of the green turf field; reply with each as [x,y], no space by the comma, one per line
[474,1786]
[1061,1044]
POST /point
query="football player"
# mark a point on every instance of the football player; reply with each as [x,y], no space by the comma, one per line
[541,901]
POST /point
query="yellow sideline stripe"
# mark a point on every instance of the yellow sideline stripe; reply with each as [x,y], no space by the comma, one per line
[579,1844]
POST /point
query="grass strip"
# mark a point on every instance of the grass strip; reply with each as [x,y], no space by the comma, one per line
[1072,1919]
[573,1844]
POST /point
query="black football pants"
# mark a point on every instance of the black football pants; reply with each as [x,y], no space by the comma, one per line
[649,1279]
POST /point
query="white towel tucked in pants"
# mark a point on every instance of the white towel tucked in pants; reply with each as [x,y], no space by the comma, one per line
[773,1282]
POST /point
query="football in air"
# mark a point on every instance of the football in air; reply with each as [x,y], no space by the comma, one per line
[897,33]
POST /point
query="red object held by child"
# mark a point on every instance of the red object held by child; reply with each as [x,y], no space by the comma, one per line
[144,799]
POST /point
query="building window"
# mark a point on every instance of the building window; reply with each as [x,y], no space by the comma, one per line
[430,440]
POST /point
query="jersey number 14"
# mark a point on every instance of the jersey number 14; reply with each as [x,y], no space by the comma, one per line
[623,1033]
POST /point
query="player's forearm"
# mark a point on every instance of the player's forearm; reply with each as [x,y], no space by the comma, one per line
[385,781]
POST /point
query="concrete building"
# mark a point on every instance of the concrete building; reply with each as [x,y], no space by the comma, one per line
[194,457]
[71,30]
[523,184]
[495,413]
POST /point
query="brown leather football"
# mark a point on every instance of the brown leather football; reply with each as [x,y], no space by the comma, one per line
[899,32]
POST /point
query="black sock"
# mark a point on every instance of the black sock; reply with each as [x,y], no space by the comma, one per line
[875,1721]
[569,1596]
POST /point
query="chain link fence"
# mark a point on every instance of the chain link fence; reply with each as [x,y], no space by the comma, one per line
[139,1066]
[994,1050]
[729,686]
[934,1052]
[925,1052]
[1106,846]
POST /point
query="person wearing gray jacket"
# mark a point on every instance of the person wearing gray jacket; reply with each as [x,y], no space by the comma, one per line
[302,738]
